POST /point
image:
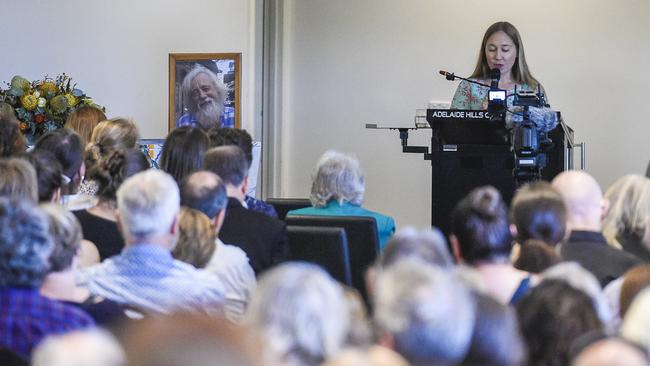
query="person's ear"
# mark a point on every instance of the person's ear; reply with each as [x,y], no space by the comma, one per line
[217,222]
[386,339]
[455,248]
[513,230]
[244,187]
[604,208]
[56,196]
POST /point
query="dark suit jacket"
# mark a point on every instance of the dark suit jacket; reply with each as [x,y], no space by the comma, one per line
[264,239]
[590,249]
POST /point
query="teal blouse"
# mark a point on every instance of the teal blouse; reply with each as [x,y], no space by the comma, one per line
[385,224]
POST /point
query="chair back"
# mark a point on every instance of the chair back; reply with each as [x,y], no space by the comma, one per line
[325,246]
[363,241]
[284,205]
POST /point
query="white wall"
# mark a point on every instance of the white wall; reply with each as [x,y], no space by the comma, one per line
[346,63]
[117,50]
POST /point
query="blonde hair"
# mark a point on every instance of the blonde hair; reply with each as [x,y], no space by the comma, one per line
[18,179]
[196,242]
[83,120]
[629,209]
[108,136]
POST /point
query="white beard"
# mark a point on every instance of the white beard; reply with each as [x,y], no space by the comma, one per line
[209,115]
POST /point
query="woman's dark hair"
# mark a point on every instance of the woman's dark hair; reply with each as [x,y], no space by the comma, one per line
[535,256]
[48,173]
[538,211]
[480,223]
[67,148]
[551,316]
[119,165]
[182,153]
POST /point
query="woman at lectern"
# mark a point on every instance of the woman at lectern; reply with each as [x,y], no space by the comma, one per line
[501,49]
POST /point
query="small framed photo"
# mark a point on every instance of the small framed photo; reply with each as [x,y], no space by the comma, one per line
[204,90]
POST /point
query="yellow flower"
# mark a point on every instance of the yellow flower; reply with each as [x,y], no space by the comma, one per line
[29,102]
[72,100]
[48,87]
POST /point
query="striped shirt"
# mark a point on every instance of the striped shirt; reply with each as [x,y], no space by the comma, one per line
[147,278]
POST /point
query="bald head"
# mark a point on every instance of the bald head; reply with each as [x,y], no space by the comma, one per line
[583,198]
[611,352]
[204,191]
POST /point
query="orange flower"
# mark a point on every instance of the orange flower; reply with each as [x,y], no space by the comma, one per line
[23,126]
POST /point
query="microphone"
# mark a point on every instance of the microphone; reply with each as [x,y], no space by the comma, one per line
[449,75]
[495,75]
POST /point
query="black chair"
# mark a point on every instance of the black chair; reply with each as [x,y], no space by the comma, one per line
[325,246]
[284,205]
[363,241]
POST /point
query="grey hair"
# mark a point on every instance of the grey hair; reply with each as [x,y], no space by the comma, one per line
[186,86]
[427,311]
[337,177]
[301,313]
[581,279]
[25,243]
[66,233]
[629,208]
[428,245]
[148,203]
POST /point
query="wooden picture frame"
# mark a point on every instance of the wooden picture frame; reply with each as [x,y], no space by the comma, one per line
[227,69]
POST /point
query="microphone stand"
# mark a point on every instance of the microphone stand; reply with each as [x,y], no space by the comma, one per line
[451,77]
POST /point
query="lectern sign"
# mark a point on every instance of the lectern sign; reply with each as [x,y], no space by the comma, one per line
[456,114]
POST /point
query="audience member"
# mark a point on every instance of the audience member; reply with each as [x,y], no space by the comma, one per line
[197,246]
[551,316]
[496,340]
[67,148]
[337,190]
[586,244]
[108,136]
[480,237]
[182,153]
[611,352]
[234,136]
[48,175]
[627,222]
[83,120]
[26,317]
[144,275]
[423,313]
[59,284]
[538,214]
[184,339]
[18,179]
[12,140]
[92,347]
[204,98]
[300,314]
[264,239]
[99,222]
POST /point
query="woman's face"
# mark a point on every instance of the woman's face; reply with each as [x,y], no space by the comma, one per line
[500,52]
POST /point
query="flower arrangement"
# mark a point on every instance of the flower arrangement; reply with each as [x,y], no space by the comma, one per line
[43,105]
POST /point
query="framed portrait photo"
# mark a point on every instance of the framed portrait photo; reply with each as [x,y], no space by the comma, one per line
[204,90]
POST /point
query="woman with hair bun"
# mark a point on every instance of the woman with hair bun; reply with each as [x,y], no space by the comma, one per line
[99,223]
[480,237]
